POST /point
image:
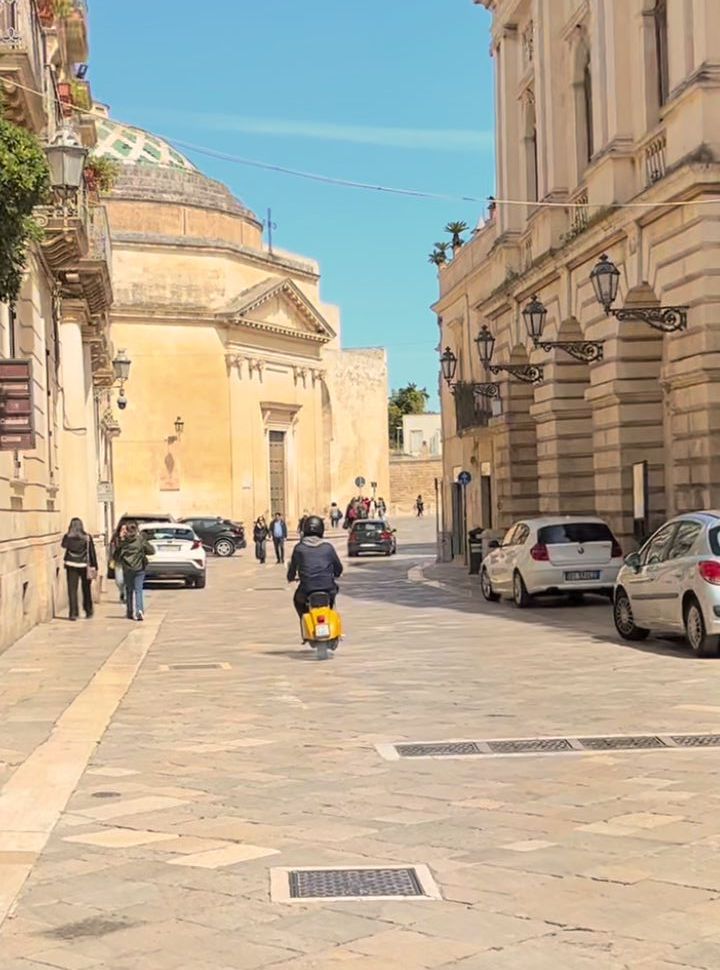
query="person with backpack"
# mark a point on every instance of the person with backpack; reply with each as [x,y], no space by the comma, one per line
[132,555]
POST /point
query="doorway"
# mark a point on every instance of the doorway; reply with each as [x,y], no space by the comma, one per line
[277,472]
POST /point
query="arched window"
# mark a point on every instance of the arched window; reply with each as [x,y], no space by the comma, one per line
[582,80]
[661,50]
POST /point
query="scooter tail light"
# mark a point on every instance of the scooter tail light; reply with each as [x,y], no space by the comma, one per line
[321,619]
[709,570]
[539,552]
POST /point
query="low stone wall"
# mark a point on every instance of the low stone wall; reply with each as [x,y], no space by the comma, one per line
[410,477]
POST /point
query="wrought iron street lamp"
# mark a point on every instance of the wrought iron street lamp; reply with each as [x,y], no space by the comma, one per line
[605,278]
[535,314]
[448,364]
[529,373]
[66,161]
[121,366]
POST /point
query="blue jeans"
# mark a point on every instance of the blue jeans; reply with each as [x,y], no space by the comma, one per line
[134,582]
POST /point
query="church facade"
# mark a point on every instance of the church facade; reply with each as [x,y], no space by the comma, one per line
[241,401]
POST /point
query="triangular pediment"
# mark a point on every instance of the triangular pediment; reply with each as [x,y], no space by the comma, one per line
[279,306]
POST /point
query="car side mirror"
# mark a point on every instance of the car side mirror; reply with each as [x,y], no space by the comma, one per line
[633,561]
[493,544]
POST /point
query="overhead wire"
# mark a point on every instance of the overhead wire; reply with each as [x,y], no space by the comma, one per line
[388,189]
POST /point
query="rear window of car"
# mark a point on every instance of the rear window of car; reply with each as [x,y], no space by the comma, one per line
[368,527]
[186,535]
[555,535]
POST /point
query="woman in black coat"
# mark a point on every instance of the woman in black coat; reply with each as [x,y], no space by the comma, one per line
[260,536]
[80,567]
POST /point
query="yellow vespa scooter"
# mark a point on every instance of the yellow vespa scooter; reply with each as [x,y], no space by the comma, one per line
[321,625]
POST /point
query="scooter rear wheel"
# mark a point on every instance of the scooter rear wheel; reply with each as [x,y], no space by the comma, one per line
[322,650]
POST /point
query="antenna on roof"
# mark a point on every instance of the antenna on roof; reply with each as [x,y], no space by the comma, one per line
[270,226]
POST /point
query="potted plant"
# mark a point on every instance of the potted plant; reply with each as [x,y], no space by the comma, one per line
[46,12]
[101,174]
[65,96]
[80,93]
[439,255]
[456,229]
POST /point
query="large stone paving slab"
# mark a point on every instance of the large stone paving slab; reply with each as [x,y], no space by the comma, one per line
[208,778]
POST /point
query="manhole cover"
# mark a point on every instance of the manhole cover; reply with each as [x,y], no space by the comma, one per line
[94,926]
[696,740]
[446,750]
[106,794]
[617,744]
[395,882]
[530,745]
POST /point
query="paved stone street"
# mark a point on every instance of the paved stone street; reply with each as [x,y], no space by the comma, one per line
[154,847]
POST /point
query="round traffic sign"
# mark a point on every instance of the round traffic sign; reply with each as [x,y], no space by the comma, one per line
[464,478]
[359,481]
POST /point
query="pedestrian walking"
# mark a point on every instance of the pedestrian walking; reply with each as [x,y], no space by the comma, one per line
[335,515]
[119,534]
[260,536]
[420,506]
[279,532]
[132,554]
[81,567]
[381,508]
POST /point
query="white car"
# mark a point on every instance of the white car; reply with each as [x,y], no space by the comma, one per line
[552,556]
[672,584]
[179,554]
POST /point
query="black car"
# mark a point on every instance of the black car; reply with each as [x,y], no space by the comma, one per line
[218,535]
[371,535]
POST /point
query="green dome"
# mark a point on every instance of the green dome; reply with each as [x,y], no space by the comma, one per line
[125,143]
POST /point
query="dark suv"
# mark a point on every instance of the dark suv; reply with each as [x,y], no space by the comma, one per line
[218,535]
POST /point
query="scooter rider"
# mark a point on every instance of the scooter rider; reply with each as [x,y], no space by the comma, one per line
[315,563]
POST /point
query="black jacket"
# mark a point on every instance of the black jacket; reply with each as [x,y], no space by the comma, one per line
[260,533]
[316,563]
[79,550]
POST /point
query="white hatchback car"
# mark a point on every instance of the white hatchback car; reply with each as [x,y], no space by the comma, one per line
[672,585]
[179,554]
[552,556]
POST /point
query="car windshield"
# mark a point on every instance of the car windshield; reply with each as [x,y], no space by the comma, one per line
[171,533]
[554,535]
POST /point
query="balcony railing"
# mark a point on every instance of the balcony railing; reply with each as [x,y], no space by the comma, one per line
[655,161]
[471,411]
[22,62]
[579,212]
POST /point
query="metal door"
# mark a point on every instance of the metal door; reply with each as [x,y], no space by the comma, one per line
[277,472]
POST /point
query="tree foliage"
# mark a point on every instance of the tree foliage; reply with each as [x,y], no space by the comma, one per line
[24,184]
[410,399]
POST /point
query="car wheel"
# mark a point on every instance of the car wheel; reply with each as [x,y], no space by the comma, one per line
[224,548]
[486,588]
[624,619]
[521,597]
[576,598]
[200,582]
[702,644]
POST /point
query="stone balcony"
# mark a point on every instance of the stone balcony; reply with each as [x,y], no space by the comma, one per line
[95,269]
[22,60]
[66,229]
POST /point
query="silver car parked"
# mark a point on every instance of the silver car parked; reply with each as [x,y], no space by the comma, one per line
[672,584]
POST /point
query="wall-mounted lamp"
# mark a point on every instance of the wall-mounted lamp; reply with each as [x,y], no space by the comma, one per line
[605,278]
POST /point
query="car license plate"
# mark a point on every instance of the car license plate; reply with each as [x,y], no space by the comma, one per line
[167,545]
[367,545]
[587,574]
[322,631]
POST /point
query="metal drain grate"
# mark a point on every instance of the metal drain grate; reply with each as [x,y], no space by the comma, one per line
[500,747]
[447,750]
[618,744]
[696,740]
[363,882]
[195,666]
[529,746]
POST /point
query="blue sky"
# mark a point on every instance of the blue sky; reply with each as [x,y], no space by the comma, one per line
[390,92]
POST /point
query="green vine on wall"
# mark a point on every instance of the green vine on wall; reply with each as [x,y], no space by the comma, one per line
[24,184]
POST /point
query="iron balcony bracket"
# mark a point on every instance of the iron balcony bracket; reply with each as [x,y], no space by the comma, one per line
[587,351]
[668,319]
[487,389]
[529,373]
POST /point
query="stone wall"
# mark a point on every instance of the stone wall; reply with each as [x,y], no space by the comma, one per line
[410,477]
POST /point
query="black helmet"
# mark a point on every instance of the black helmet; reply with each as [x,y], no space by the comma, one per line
[314,526]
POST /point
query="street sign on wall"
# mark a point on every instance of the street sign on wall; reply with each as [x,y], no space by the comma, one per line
[464,478]
[17,426]
[105,493]
[359,481]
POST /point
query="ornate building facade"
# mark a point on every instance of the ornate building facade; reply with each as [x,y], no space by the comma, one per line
[608,109]
[241,401]
[59,325]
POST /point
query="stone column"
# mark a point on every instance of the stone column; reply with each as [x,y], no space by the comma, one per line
[564,440]
[77,434]
[510,181]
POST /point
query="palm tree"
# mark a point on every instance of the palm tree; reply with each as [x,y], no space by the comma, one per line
[439,255]
[455,229]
